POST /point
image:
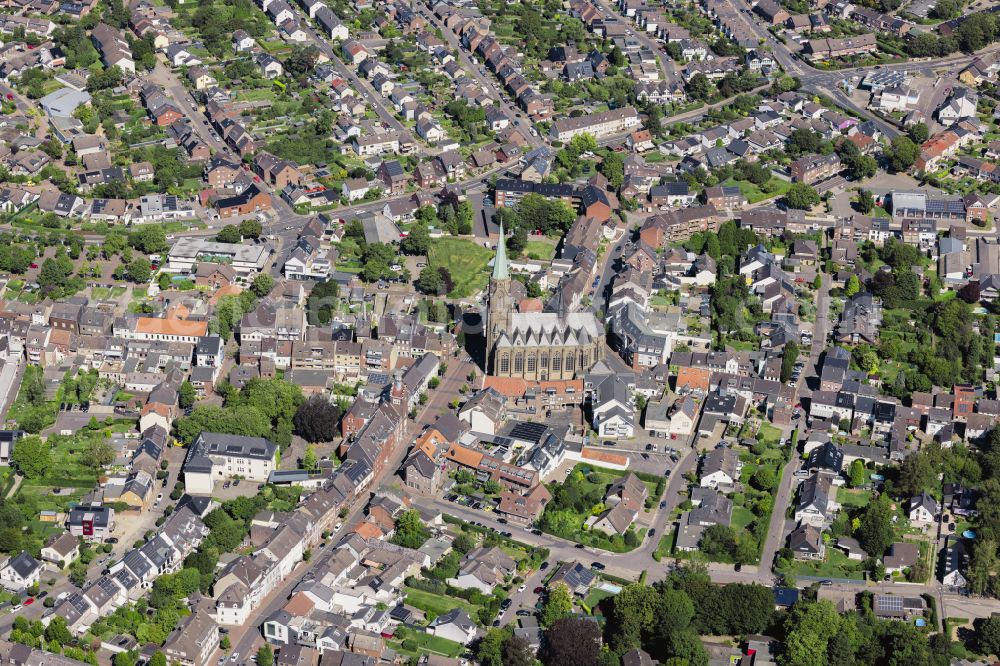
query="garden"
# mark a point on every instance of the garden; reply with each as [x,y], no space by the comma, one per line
[581,496]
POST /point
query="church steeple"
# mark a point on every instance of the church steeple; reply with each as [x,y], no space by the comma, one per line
[500,270]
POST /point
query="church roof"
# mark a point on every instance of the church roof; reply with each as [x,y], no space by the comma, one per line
[500,270]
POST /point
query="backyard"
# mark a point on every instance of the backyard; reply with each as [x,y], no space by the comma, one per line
[433,604]
[414,643]
[581,496]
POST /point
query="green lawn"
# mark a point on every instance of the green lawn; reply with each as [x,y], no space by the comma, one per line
[539,250]
[594,597]
[465,260]
[568,523]
[427,643]
[768,434]
[437,604]
[741,517]
[836,565]
[853,498]
[262,95]
[753,192]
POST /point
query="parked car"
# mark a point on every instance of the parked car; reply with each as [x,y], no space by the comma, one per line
[597,565]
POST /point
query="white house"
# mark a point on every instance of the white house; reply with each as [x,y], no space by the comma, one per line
[20,572]
[961,105]
[612,406]
[215,456]
[62,549]
[484,412]
[923,509]
[455,625]
[720,468]
[355,189]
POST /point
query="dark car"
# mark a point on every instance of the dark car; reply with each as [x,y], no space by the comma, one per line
[579,545]
[597,565]
[538,590]
[505,604]
[545,565]
[523,613]
[651,532]
[663,505]
[112,540]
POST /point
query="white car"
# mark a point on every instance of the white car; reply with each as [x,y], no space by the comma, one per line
[337,527]
[236,655]
[522,588]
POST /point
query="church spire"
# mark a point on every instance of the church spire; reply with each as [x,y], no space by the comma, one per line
[500,271]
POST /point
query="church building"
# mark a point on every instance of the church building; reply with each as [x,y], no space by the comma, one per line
[538,346]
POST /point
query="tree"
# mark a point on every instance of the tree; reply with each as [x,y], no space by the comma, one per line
[789,357]
[558,604]
[322,302]
[251,228]
[571,642]
[718,540]
[31,456]
[97,454]
[489,649]
[58,631]
[866,202]
[809,628]
[698,88]
[418,241]
[801,196]
[124,659]
[158,659]
[265,655]
[185,395]
[464,542]
[317,419]
[410,530]
[903,153]
[229,234]
[764,478]
[517,652]
[857,474]
[918,132]
[983,563]
[309,460]
[613,168]
[916,474]
[988,635]
[430,281]
[262,284]
[853,286]
[875,533]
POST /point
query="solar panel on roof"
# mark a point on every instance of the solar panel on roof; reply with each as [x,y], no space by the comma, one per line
[891,603]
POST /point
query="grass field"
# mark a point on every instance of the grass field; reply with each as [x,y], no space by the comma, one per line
[540,250]
[262,95]
[437,604]
[768,434]
[853,498]
[465,260]
[427,643]
[754,194]
[836,565]
[107,293]
[594,597]
[741,517]
[65,472]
